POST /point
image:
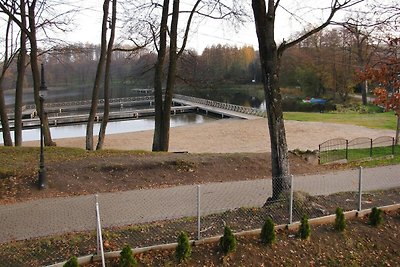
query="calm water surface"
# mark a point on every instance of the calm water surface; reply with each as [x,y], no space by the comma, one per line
[113,127]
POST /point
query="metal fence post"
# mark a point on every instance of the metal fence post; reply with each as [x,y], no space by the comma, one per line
[198,214]
[100,249]
[393,143]
[347,149]
[370,149]
[291,201]
[319,154]
[360,188]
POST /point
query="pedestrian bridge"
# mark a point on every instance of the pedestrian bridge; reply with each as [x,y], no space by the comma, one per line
[134,107]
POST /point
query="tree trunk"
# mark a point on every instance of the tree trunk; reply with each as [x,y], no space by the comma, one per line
[19,88]
[7,141]
[36,76]
[106,113]
[158,80]
[3,112]
[173,57]
[270,61]
[99,71]
[397,130]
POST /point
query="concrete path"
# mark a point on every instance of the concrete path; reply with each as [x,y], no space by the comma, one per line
[59,215]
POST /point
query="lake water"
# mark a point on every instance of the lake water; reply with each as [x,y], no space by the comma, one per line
[113,127]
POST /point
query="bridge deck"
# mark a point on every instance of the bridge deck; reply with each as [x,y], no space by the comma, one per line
[116,115]
[216,110]
[60,113]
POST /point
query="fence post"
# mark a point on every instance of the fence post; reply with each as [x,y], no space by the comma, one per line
[347,149]
[370,149]
[360,187]
[100,249]
[198,214]
[393,146]
[319,154]
[291,201]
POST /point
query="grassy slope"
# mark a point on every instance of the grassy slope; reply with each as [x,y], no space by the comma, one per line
[385,120]
[23,161]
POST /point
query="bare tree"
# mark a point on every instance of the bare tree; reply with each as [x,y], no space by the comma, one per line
[34,12]
[213,9]
[270,56]
[8,58]
[104,121]
[21,68]
[99,73]
[364,28]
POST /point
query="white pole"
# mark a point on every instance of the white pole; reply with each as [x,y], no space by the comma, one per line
[198,213]
[99,236]
[359,188]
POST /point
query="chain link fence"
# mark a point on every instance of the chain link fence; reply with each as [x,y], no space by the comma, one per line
[145,218]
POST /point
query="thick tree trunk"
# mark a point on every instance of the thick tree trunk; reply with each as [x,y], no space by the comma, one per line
[106,113]
[19,88]
[7,141]
[158,80]
[99,71]
[270,61]
[173,57]
[3,112]
[36,77]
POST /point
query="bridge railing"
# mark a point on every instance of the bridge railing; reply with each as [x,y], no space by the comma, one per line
[227,106]
[211,103]
[88,102]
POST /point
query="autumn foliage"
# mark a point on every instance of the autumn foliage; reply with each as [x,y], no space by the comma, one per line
[387,76]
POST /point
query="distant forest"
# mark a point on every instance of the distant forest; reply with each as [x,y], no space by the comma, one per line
[325,64]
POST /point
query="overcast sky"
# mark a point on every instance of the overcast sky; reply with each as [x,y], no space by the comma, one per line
[88,24]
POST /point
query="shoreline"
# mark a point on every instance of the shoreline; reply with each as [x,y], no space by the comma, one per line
[230,136]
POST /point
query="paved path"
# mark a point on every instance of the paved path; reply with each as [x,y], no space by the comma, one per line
[59,215]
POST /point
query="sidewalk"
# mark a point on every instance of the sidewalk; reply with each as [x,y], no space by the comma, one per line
[60,215]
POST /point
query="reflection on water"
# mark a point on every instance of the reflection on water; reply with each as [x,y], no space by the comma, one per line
[113,127]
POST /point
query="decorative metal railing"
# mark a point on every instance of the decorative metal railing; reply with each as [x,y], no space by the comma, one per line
[359,148]
[227,106]
[88,102]
[211,103]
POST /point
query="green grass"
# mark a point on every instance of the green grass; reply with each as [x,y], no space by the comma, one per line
[360,154]
[386,120]
[24,161]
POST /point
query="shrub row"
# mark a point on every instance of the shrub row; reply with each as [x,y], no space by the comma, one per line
[227,242]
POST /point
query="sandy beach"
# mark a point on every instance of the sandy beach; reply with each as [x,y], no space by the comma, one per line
[231,136]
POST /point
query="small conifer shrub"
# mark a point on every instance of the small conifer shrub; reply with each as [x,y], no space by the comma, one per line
[268,232]
[375,217]
[126,258]
[72,262]
[304,229]
[340,220]
[183,250]
[227,242]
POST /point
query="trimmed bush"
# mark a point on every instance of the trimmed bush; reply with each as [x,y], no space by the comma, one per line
[340,220]
[183,250]
[268,232]
[227,243]
[304,229]
[375,217]
[126,258]
[72,262]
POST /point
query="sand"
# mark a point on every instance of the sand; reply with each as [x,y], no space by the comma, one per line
[232,135]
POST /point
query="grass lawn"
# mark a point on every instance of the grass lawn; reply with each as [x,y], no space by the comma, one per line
[363,153]
[386,120]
